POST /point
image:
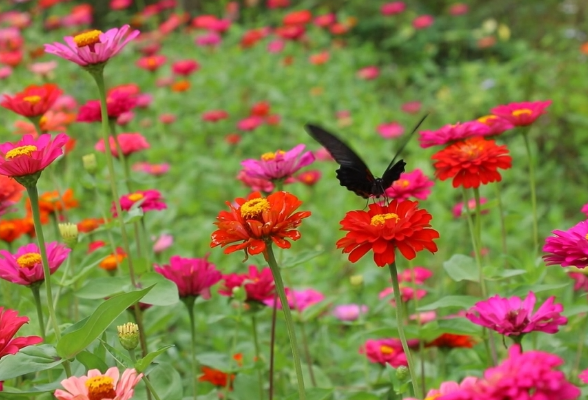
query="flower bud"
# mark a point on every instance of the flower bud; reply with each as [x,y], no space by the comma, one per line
[90,164]
[69,234]
[128,335]
[402,373]
[239,294]
[356,280]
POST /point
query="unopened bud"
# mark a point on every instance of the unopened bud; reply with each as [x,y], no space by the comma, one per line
[402,373]
[239,294]
[69,234]
[128,335]
[356,280]
[90,164]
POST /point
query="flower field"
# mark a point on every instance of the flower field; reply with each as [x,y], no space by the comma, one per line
[293,200]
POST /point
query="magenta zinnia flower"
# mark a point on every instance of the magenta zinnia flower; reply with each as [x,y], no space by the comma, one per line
[514,317]
[448,387]
[450,133]
[278,165]
[192,276]
[10,322]
[93,47]
[100,386]
[568,248]
[129,143]
[25,268]
[390,130]
[418,275]
[298,299]
[496,124]
[151,169]
[258,285]
[29,155]
[411,184]
[384,351]
[118,103]
[521,114]
[349,312]
[151,200]
[530,375]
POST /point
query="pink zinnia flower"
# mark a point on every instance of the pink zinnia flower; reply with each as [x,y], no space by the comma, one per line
[391,130]
[214,115]
[278,165]
[258,285]
[457,210]
[255,184]
[309,178]
[276,46]
[120,4]
[514,317]
[250,123]
[407,293]
[5,71]
[100,386]
[151,169]
[209,39]
[422,22]
[568,248]
[151,200]
[93,47]
[412,107]
[448,387]
[10,323]
[129,143]
[450,133]
[43,68]
[384,351]
[25,267]
[185,67]
[167,118]
[118,102]
[496,124]
[530,375]
[298,299]
[325,20]
[33,101]
[580,281]
[584,376]
[522,114]
[29,155]
[349,312]
[458,9]
[424,317]
[323,154]
[368,73]
[393,8]
[418,275]
[192,276]
[411,184]
[162,243]
[151,63]
[584,209]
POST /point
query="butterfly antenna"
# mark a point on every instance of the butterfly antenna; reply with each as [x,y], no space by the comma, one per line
[406,141]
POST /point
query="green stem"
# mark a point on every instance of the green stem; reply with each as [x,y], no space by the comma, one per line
[580,349]
[400,327]
[271,259]
[257,353]
[147,247]
[497,185]
[533,193]
[37,295]
[189,302]
[475,242]
[150,387]
[272,346]
[138,238]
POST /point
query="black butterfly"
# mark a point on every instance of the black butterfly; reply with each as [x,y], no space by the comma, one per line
[354,174]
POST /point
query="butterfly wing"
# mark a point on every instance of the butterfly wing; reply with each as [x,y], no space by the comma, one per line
[354,173]
[392,174]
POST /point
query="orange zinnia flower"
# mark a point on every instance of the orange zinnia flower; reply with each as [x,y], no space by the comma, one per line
[11,229]
[51,202]
[385,228]
[451,341]
[472,162]
[88,225]
[111,262]
[10,190]
[256,221]
[180,86]
[220,378]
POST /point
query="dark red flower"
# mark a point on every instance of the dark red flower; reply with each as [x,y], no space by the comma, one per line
[451,341]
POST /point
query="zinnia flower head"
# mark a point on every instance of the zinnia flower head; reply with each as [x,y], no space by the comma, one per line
[214,115]
[118,103]
[423,21]
[250,123]
[151,169]
[416,275]
[451,133]
[10,323]
[529,375]
[452,341]
[521,114]
[309,178]
[92,47]
[391,130]
[254,221]
[192,276]
[410,184]
[96,385]
[25,267]
[298,299]
[10,190]
[185,67]
[349,312]
[396,7]
[30,155]
[129,143]
[151,200]
[448,387]
[278,165]
[568,248]
[259,285]
[34,101]
[496,124]
[580,278]
[514,316]
[255,184]
[385,228]
[457,210]
[584,376]
[368,73]
[407,293]
[151,63]
[472,162]
[384,351]
[162,243]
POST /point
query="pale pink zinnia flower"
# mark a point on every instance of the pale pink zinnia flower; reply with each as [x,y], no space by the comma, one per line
[418,275]
[100,386]
[162,243]
[93,47]
[580,281]
[349,312]
[457,210]
[458,9]
[514,316]
[407,293]
[29,155]
[43,68]
[192,276]
[298,299]
[411,107]
[151,169]
[255,184]
[276,46]
[278,165]
[129,143]
[567,248]
[25,267]
[151,200]
[384,351]
[5,71]
[450,133]
[208,39]
[522,114]
[424,317]
[448,387]
[10,323]
[390,130]
[411,184]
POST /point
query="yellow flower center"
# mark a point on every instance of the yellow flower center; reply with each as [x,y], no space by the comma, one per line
[486,119]
[135,197]
[270,156]
[433,397]
[402,183]
[20,151]
[32,99]
[471,150]
[254,207]
[386,349]
[28,260]
[100,387]
[586,236]
[87,38]
[380,219]
[522,111]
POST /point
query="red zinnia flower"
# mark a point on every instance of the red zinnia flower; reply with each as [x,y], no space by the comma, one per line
[10,323]
[472,162]
[151,63]
[256,220]
[214,115]
[451,341]
[385,228]
[34,101]
[301,17]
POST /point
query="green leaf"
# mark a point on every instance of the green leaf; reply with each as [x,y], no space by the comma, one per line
[525,289]
[142,364]
[451,301]
[218,361]
[121,357]
[246,387]
[313,394]
[167,381]
[133,215]
[28,360]
[300,258]
[74,342]
[363,396]
[575,310]
[91,361]
[459,326]
[501,273]
[461,268]
[100,288]
[164,293]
